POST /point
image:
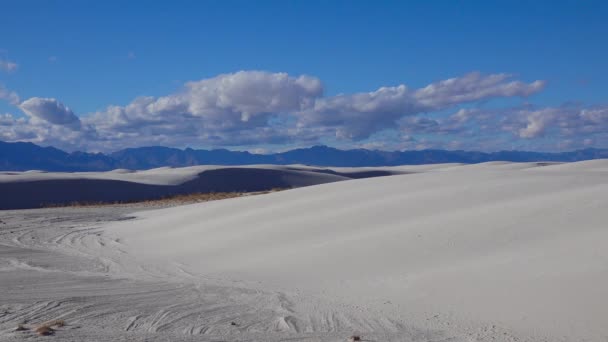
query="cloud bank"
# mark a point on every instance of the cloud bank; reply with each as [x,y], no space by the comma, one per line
[250,108]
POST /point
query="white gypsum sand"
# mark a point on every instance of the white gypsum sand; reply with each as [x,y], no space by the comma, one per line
[486,252]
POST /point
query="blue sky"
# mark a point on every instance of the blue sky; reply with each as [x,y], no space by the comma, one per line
[84,75]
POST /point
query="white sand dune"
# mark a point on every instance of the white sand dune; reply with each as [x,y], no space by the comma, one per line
[34,189]
[464,253]
[520,247]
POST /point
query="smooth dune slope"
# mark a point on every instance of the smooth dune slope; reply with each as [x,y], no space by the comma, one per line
[516,246]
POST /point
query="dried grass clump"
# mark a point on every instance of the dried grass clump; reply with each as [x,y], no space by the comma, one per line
[20,327]
[46,329]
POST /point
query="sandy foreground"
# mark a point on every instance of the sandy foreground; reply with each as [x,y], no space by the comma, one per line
[486,252]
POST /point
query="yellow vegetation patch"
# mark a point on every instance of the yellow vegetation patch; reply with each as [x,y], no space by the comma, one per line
[169,200]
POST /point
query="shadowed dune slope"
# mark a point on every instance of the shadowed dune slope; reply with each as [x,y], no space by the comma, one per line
[21,190]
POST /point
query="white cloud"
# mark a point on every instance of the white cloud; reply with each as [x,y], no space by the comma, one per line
[274,107]
[228,109]
[566,121]
[473,87]
[537,122]
[51,111]
[250,108]
[43,132]
[567,126]
[357,116]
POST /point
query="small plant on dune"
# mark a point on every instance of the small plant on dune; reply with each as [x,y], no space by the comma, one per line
[46,329]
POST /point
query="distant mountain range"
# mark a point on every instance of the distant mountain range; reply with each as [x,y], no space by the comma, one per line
[21,156]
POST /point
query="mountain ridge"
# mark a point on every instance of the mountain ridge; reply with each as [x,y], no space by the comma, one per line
[23,156]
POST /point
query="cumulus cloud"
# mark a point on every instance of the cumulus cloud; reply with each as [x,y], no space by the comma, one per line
[12,129]
[357,116]
[249,108]
[242,99]
[572,126]
[537,121]
[6,119]
[565,121]
[277,107]
[51,111]
[221,110]
[49,122]
[25,129]
[8,66]
[473,87]
[457,123]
